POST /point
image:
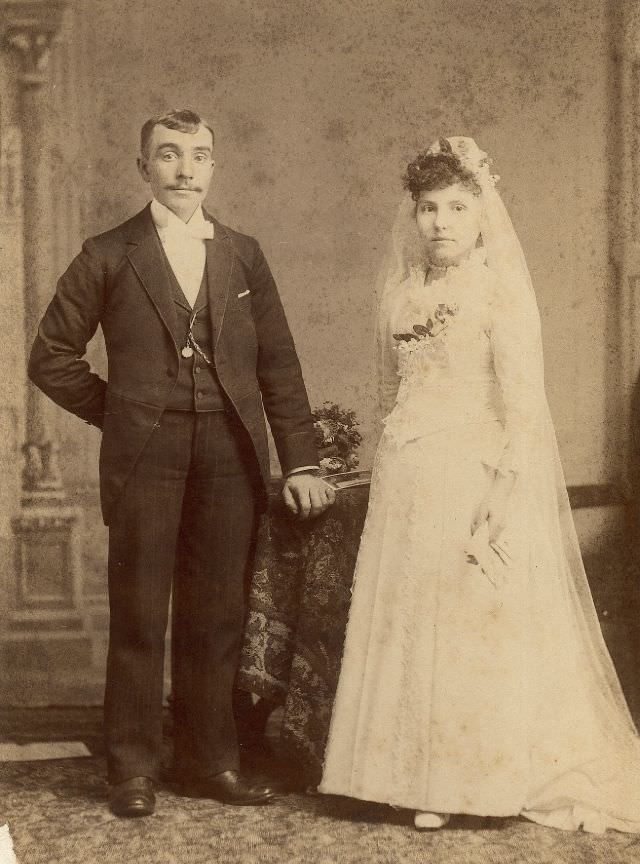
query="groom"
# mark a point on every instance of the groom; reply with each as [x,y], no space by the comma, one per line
[198,345]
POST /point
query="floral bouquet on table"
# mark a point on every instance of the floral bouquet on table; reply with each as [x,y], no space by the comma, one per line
[337,438]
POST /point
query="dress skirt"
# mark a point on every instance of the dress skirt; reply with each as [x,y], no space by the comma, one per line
[460,693]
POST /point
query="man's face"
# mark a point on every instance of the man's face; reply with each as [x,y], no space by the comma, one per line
[449,221]
[178,167]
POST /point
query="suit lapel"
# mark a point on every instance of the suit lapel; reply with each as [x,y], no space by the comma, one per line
[147,259]
[220,262]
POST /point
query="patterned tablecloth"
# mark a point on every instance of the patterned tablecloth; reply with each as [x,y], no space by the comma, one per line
[298,608]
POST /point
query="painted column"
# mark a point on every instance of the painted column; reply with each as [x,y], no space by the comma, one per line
[44,639]
[625,221]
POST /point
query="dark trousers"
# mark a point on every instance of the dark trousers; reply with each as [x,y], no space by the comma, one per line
[186,519]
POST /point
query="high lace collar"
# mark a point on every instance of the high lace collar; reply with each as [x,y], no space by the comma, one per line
[422,275]
[476,258]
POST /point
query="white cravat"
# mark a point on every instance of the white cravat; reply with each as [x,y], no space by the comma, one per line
[183,243]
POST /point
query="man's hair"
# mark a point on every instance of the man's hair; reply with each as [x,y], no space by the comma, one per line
[182,119]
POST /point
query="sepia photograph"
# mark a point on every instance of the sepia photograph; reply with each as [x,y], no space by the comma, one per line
[320,431]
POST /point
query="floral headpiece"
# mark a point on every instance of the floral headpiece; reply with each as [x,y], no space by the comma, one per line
[471,157]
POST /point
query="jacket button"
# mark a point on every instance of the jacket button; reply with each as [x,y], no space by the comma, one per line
[169,373]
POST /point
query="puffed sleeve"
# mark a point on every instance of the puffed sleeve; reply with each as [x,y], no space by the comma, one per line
[517,358]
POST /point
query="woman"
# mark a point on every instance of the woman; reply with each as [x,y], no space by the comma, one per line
[475,678]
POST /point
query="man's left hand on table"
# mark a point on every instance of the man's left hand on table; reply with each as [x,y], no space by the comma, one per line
[306,495]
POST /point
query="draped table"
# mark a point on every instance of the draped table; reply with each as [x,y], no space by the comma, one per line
[298,606]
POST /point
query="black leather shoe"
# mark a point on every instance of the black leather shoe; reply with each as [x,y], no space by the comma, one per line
[133,797]
[229,787]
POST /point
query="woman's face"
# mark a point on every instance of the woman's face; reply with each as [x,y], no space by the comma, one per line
[449,221]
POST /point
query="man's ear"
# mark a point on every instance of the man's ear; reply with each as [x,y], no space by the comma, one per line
[142,168]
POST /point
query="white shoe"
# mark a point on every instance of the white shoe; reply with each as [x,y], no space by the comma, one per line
[430,821]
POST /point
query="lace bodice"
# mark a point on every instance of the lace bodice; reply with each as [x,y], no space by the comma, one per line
[450,360]
[456,317]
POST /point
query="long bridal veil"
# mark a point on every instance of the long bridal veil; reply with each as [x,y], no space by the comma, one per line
[603,781]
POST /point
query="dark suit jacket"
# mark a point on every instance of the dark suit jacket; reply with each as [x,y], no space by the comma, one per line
[119,281]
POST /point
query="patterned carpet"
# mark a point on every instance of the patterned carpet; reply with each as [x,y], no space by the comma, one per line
[58,815]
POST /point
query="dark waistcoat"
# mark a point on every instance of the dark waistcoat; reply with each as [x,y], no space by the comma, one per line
[197,387]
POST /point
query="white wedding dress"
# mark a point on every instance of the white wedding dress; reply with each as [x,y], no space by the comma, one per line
[462,689]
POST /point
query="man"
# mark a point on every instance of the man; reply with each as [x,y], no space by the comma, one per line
[197,344]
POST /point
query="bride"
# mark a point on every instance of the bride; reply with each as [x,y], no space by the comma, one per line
[475,678]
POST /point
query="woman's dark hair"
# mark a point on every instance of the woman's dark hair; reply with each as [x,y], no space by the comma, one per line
[430,171]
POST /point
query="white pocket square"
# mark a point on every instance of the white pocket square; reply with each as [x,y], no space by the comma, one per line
[244,293]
